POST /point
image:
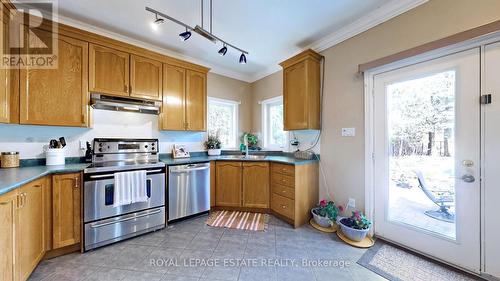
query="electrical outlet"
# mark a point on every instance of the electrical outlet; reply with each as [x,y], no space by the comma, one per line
[83,145]
[348,132]
[351,203]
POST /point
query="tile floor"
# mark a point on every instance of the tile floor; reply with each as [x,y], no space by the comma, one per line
[191,250]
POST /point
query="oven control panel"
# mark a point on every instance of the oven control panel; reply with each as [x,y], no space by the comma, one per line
[106,146]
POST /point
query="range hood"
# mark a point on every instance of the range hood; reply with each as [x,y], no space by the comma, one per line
[100,101]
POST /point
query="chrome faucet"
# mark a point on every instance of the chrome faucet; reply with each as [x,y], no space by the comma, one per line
[245,142]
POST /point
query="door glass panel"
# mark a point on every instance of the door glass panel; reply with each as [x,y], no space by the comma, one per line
[421,127]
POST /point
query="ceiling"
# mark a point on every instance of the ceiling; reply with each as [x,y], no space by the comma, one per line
[270,30]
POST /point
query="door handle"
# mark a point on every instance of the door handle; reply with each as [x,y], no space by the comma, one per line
[468,178]
[125,219]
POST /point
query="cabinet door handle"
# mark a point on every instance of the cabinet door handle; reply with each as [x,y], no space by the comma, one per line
[76,182]
[283,206]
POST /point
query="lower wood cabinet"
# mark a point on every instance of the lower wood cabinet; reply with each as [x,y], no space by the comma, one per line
[8,231]
[242,184]
[294,191]
[228,184]
[66,214]
[30,237]
[26,216]
[255,185]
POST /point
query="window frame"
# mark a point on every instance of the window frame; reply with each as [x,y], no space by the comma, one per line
[265,104]
[235,105]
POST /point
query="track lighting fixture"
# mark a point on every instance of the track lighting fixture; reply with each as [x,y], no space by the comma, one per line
[158,20]
[206,33]
[223,50]
[185,35]
[243,59]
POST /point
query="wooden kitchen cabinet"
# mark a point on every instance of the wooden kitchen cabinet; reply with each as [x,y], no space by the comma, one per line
[228,184]
[57,96]
[8,231]
[108,71]
[30,241]
[255,185]
[9,87]
[294,191]
[301,91]
[66,214]
[184,105]
[196,101]
[212,183]
[173,106]
[145,78]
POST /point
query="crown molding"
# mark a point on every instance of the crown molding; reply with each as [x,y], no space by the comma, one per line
[372,19]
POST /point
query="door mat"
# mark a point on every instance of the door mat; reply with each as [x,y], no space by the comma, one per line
[238,220]
[397,264]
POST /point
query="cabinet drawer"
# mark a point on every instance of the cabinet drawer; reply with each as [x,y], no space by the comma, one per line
[283,169]
[283,206]
[283,180]
[284,191]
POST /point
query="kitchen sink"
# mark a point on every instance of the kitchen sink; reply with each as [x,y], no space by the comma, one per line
[243,157]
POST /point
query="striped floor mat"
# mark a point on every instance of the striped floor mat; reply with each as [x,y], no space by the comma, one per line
[238,220]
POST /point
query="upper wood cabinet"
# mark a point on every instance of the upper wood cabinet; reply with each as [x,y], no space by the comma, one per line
[108,71]
[196,101]
[145,78]
[184,99]
[9,88]
[66,215]
[228,184]
[173,107]
[301,91]
[30,236]
[255,184]
[57,96]
[8,231]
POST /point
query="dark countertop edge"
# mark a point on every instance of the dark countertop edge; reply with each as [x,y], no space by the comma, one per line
[35,176]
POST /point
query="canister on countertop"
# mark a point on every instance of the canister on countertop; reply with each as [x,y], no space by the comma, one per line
[10,159]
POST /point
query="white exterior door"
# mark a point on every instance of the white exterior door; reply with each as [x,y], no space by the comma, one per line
[491,176]
[427,157]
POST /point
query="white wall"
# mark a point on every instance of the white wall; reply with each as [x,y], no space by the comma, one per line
[30,140]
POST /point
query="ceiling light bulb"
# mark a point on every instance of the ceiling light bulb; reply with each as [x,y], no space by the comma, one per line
[243,59]
[185,35]
[223,50]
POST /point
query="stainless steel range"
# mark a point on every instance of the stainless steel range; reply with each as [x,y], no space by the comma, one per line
[105,223]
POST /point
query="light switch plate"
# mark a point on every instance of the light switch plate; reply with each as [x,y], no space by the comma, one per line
[83,145]
[348,132]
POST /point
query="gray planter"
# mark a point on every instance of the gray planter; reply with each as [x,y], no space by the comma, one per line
[321,221]
[352,233]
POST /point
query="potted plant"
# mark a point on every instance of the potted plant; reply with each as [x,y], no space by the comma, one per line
[213,145]
[253,141]
[325,214]
[355,227]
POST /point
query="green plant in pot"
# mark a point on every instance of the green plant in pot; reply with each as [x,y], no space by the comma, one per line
[213,145]
[325,214]
[253,141]
[355,227]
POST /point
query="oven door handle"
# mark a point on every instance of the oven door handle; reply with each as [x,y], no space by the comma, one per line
[112,175]
[125,219]
[190,169]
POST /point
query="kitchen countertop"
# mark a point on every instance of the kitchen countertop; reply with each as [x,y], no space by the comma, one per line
[13,178]
[270,158]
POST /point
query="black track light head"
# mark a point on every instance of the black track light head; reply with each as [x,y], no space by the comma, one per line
[185,35]
[158,20]
[243,59]
[223,50]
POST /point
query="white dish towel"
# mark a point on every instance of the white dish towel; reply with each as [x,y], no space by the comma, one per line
[130,187]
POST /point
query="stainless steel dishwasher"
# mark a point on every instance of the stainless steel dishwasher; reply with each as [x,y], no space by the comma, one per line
[188,190]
